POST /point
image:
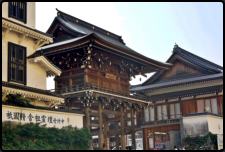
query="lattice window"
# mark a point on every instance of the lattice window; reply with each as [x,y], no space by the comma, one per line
[16,63]
[18,10]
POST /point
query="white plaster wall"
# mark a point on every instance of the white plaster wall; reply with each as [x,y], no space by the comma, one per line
[70,118]
[215,124]
[195,125]
[36,75]
[188,87]
[30,14]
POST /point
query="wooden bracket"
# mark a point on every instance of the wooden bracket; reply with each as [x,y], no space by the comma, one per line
[4,96]
[37,43]
[22,38]
[6,32]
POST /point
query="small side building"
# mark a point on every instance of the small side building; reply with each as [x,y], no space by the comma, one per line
[23,72]
[192,85]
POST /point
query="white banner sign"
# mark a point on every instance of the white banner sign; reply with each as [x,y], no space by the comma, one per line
[35,117]
[220,141]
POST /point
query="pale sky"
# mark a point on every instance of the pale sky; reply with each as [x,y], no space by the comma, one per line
[149,28]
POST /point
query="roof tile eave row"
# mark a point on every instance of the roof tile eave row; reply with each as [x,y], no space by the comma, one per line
[177,82]
[187,93]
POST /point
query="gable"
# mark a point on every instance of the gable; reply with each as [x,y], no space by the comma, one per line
[178,69]
[60,35]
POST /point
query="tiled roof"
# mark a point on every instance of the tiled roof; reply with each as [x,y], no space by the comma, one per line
[177,81]
[47,108]
[40,53]
[202,113]
[84,29]
[186,93]
[26,88]
[207,67]
[197,60]
[60,43]
[72,25]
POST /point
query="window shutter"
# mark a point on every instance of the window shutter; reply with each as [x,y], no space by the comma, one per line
[172,111]
[146,114]
[207,104]
[214,106]
[177,110]
[152,113]
[159,113]
[164,112]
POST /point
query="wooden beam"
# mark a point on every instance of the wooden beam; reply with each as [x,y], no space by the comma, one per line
[113,132]
[94,114]
[118,119]
[94,125]
[94,122]
[109,112]
[37,43]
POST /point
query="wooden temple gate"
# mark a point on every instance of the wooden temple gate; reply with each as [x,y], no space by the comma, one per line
[96,70]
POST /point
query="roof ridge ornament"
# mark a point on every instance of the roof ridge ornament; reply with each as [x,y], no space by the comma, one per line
[175,48]
[59,13]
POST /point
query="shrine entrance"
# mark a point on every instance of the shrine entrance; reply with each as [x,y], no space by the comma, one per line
[96,69]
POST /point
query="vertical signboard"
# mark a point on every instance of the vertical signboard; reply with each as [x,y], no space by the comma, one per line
[220,141]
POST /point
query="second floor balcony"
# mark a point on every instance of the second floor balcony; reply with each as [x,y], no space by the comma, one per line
[90,86]
[155,121]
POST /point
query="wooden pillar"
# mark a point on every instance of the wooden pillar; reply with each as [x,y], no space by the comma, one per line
[87,117]
[106,137]
[123,147]
[56,86]
[100,136]
[70,105]
[117,136]
[133,128]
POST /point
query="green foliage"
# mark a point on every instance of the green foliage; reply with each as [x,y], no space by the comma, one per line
[35,137]
[16,99]
[187,139]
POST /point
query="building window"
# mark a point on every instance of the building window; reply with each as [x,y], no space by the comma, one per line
[175,111]
[147,115]
[18,10]
[152,113]
[210,105]
[16,63]
[162,112]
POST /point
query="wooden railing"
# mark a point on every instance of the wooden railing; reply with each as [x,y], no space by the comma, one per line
[149,122]
[98,88]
